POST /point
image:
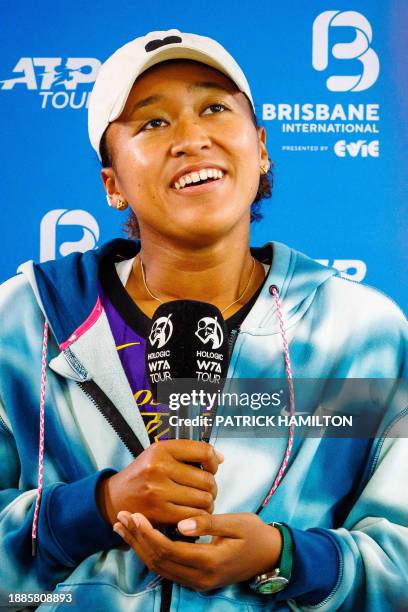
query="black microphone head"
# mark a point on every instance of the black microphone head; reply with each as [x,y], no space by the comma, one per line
[188,339]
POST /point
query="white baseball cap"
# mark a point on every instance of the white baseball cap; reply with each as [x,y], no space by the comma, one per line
[119,72]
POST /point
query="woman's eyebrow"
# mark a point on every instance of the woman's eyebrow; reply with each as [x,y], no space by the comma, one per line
[159,97]
[146,102]
[208,85]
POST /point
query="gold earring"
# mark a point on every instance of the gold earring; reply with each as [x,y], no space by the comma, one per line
[264,168]
[121,203]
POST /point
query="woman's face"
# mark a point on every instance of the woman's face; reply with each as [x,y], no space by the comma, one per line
[181,117]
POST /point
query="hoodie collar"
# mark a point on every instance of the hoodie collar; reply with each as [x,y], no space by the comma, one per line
[67,289]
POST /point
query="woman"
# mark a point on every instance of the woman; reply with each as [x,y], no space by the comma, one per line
[172,120]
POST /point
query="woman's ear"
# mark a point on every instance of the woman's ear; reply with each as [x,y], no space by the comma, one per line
[113,195]
[108,180]
[263,152]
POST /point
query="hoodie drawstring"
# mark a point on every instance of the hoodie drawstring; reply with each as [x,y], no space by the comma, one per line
[41,443]
[273,290]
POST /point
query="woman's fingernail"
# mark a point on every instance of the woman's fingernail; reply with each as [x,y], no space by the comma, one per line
[187,525]
[219,455]
[118,530]
[136,520]
[124,520]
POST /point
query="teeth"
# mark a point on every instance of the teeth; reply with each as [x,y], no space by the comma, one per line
[195,177]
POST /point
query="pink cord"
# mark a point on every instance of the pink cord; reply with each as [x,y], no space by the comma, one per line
[273,289]
[41,446]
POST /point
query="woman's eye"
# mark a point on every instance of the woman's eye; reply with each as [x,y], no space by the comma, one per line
[217,108]
[154,123]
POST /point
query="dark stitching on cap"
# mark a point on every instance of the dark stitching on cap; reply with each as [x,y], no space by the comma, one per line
[152,45]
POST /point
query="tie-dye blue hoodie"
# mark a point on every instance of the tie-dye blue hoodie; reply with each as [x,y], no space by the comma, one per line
[345,500]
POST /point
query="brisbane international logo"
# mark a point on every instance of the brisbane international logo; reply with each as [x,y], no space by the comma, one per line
[358,49]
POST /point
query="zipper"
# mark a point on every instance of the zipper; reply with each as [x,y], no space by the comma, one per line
[4,425]
[232,338]
[112,416]
[166,593]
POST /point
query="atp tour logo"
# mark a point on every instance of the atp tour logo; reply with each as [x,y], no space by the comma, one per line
[62,217]
[209,330]
[161,331]
[55,79]
[359,49]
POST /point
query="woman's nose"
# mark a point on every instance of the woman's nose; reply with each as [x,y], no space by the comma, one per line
[189,138]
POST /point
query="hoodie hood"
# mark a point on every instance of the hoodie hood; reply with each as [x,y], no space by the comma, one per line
[67,289]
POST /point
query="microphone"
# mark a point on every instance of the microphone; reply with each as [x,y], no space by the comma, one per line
[187,346]
[187,350]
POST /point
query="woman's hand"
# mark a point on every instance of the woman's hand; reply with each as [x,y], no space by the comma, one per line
[161,483]
[242,547]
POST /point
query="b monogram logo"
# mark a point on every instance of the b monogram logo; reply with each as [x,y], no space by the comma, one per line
[358,49]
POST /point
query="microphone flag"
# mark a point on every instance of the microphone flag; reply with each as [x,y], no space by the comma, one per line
[186,352]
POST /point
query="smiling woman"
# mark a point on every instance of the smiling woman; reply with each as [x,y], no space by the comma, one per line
[97,502]
[181,120]
[191,68]
[202,121]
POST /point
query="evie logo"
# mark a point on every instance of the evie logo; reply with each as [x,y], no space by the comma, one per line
[360,148]
[358,49]
[75,221]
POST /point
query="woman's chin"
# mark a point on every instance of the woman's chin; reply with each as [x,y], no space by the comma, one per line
[201,234]
[210,215]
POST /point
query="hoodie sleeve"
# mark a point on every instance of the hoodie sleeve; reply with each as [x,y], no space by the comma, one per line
[66,509]
[70,526]
[363,565]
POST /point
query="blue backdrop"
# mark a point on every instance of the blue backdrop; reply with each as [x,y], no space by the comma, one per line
[330,85]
